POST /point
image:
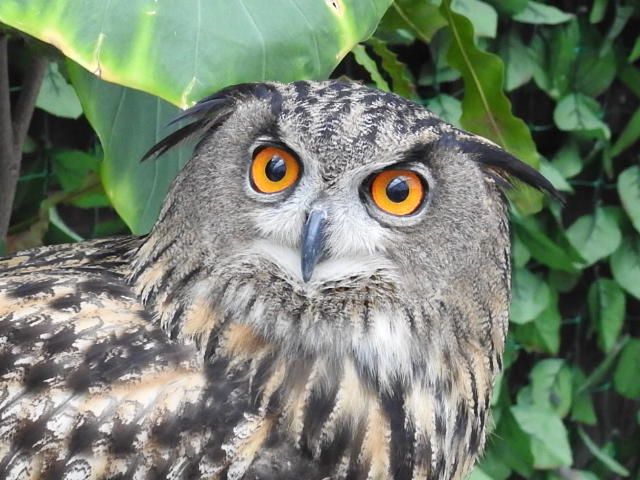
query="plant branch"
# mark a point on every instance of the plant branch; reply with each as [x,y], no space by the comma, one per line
[13,132]
[27,100]
[8,173]
[6,130]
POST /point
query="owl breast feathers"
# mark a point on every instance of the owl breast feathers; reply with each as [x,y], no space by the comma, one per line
[324,295]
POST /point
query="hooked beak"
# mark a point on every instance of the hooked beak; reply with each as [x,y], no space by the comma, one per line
[312,244]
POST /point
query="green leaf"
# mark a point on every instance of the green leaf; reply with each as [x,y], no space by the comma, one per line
[542,248]
[509,7]
[625,377]
[568,160]
[635,51]
[601,455]
[563,282]
[554,52]
[361,56]
[402,83]
[519,252]
[539,13]
[549,440]
[554,176]
[57,222]
[629,191]
[421,18]
[518,60]
[76,172]
[630,135]
[485,108]
[625,265]
[598,10]
[530,296]
[56,96]
[182,51]
[582,408]
[438,71]
[578,113]
[606,303]
[512,444]
[543,333]
[446,107]
[483,16]
[595,236]
[135,189]
[551,385]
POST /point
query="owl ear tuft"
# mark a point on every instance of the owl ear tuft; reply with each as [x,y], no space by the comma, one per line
[209,113]
[503,166]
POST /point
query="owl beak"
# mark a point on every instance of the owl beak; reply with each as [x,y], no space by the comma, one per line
[312,245]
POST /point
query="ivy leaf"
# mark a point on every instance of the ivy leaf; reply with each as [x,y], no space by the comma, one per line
[485,108]
[518,60]
[625,265]
[625,377]
[551,385]
[606,303]
[549,440]
[567,160]
[400,76]
[446,107]
[56,96]
[554,176]
[530,296]
[629,191]
[595,236]
[538,13]
[630,135]
[543,333]
[577,112]
[582,407]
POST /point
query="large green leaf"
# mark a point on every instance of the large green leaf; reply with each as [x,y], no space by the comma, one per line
[128,123]
[551,385]
[181,51]
[485,108]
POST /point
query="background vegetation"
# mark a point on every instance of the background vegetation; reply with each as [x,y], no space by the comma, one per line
[558,85]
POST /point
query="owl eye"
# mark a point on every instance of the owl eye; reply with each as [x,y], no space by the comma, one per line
[274,170]
[399,192]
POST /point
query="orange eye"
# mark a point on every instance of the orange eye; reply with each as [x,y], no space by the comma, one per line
[399,192]
[274,170]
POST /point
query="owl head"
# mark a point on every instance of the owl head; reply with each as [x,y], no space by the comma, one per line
[352,229]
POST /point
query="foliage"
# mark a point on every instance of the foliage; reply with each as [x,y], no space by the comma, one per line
[567,404]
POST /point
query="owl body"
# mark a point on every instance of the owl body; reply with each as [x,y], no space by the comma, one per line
[324,295]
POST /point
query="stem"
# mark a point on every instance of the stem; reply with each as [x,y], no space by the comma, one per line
[9,168]
[13,133]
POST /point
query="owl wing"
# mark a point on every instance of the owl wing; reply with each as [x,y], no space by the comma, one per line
[89,386]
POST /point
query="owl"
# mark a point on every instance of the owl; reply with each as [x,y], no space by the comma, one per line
[325,295]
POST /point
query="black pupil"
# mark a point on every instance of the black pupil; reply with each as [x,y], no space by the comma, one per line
[276,168]
[398,190]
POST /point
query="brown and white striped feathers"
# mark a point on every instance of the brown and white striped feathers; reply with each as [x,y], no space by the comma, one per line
[299,333]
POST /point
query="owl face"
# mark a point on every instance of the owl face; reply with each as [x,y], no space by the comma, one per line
[319,207]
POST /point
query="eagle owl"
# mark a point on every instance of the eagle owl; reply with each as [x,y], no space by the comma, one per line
[324,296]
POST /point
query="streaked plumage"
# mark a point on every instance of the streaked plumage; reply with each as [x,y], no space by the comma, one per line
[199,351]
